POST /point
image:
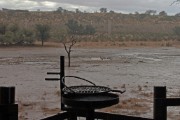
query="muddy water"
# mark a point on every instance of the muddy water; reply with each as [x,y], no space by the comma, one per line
[136,69]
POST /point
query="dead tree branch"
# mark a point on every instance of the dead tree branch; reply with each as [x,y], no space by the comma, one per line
[177,2]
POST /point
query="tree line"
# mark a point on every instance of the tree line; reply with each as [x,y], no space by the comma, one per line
[105,10]
[108,26]
[12,34]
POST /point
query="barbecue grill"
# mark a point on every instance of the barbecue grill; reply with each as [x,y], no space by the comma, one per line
[84,97]
[86,89]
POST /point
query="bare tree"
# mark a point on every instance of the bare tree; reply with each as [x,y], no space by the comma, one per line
[68,47]
[69,36]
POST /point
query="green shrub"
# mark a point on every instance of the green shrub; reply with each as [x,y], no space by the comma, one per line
[16,36]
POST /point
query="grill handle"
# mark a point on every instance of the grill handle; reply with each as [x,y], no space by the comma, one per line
[80,79]
[67,87]
[119,91]
[77,78]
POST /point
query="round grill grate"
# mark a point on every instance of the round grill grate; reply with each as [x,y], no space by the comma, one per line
[86,89]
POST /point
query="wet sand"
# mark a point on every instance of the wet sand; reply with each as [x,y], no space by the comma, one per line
[136,69]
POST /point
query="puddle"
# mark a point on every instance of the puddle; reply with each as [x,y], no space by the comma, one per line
[148,58]
[34,63]
[6,58]
[99,59]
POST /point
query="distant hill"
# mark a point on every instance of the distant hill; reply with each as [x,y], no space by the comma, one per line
[109,26]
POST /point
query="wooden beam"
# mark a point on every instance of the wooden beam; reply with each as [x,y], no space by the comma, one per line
[110,116]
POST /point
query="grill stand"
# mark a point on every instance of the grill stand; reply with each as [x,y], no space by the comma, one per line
[83,105]
[62,74]
[89,113]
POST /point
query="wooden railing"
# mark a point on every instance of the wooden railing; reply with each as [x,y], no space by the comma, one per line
[161,103]
[9,110]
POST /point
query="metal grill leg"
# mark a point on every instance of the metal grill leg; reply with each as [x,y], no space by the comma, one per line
[73,116]
[90,115]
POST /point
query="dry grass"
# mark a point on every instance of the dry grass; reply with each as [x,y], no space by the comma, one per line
[51,111]
[131,106]
[108,44]
[22,109]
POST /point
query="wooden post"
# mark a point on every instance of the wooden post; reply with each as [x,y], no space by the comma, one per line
[160,108]
[8,110]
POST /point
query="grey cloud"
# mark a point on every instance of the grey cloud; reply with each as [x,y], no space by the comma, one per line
[124,5]
[117,5]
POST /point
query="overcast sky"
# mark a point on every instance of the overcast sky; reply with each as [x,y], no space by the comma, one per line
[123,6]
